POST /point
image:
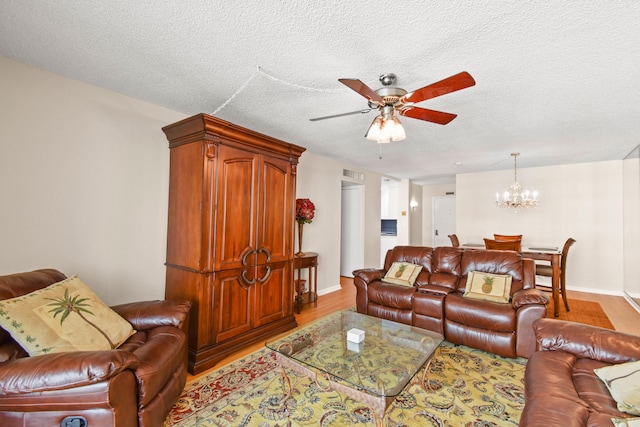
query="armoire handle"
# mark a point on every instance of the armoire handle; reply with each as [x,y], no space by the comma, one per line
[266,275]
[244,257]
[266,252]
[247,281]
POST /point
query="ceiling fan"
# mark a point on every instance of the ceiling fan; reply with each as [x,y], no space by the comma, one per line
[390,99]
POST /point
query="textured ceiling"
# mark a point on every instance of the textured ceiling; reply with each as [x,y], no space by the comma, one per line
[558,82]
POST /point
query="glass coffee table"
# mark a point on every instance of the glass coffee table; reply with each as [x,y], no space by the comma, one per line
[373,371]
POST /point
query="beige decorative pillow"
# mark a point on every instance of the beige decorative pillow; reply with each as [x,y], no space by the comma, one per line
[402,273]
[65,316]
[623,382]
[626,422]
[488,287]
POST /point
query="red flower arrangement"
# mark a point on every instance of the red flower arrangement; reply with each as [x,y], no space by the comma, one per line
[305,211]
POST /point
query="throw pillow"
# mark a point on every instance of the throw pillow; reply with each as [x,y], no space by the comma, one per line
[402,273]
[623,382]
[488,287]
[626,422]
[65,316]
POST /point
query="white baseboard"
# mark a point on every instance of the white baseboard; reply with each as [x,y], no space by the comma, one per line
[329,290]
[632,302]
[596,291]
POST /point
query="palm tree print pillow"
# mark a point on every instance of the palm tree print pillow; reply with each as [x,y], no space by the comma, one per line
[65,316]
[488,287]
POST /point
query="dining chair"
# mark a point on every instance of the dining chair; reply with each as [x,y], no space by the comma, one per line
[454,240]
[546,270]
[508,238]
[503,246]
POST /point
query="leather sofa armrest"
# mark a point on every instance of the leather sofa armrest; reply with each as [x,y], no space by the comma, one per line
[361,279]
[368,275]
[60,371]
[529,296]
[586,341]
[145,315]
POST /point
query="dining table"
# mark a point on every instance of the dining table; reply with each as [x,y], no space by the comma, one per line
[547,253]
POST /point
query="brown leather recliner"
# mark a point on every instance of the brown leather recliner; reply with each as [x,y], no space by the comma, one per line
[560,387]
[133,385]
[436,301]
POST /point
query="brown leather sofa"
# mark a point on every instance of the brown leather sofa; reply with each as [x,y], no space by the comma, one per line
[560,386]
[133,385]
[436,301]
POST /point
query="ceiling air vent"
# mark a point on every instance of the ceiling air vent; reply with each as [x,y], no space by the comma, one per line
[353,174]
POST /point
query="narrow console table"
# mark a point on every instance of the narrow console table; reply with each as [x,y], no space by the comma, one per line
[308,260]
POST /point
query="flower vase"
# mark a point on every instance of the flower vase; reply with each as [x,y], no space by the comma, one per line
[300,253]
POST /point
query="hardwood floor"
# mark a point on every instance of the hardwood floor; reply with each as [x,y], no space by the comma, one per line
[623,316]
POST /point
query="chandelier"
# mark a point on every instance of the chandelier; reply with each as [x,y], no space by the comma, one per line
[515,197]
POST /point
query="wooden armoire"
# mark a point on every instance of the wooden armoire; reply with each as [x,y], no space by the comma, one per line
[230,238]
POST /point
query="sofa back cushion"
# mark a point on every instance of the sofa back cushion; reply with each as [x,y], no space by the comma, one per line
[494,262]
[446,267]
[420,255]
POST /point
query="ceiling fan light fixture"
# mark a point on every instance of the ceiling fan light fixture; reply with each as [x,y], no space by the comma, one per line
[398,130]
[384,130]
[373,133]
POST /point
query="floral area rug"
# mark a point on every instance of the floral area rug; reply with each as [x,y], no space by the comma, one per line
[465,387]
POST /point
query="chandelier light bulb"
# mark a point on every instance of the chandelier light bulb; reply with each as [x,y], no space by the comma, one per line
[515,197]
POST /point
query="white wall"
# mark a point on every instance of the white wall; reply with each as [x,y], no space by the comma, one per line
[320,179]
[415,214]
[631,231]
[83,183]
[583,201]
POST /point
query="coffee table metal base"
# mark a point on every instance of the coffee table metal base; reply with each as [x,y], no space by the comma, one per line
[378,404]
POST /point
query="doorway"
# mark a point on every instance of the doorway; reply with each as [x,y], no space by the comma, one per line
[444,220]
[351,229]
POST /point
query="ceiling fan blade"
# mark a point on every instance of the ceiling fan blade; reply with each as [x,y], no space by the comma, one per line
[366,110]
[450,84]
[362,89]
[433,116]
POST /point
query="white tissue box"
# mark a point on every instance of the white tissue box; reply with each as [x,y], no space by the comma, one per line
[355,335]
[353,346]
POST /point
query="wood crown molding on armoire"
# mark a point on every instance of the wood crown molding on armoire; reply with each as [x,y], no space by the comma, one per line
[230,237]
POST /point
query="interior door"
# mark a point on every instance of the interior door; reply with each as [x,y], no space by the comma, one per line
[444,220]
[351,235]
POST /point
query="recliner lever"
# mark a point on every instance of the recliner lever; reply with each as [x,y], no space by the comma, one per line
[74,421]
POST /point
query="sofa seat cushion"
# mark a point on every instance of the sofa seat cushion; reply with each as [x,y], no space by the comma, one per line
[480,314]
[561,375]
[390,295]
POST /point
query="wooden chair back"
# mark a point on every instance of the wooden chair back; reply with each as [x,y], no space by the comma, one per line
[507,238]
[503,246]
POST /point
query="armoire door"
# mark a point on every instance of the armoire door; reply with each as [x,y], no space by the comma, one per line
[233,298]
[273,292]
[275,211]
[236,208]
